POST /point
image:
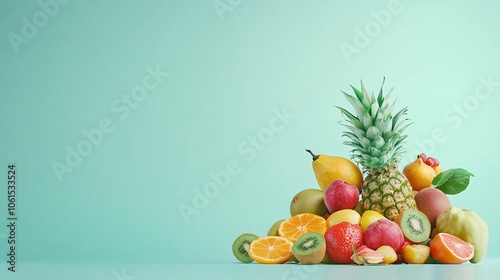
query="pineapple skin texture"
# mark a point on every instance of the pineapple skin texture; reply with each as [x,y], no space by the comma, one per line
[388,192]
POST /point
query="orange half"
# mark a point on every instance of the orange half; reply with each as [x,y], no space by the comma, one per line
[449,249]
[301,224]
[271,250]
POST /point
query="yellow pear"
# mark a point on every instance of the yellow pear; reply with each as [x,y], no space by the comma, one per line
[330,168]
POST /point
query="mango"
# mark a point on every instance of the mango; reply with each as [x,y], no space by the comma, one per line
[468,226]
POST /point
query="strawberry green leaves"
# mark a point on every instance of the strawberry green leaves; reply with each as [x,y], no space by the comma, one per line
[452,181]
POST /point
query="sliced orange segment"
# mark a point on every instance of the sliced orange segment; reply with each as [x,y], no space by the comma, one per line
[271,250]
[300,224]
[449,249]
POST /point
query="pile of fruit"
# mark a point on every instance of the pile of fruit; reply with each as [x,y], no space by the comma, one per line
[376,214]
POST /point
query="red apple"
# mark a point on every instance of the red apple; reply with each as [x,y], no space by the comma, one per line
[384,232]
[341,195]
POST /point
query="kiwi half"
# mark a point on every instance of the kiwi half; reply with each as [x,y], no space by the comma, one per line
[241,246]
[310,248]
[415,225]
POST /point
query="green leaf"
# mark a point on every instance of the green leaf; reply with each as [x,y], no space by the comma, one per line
[452,181]
[352,118]
[380,98]
[358,93]
[441,178]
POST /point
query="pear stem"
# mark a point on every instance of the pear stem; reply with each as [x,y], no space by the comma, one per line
[315,157]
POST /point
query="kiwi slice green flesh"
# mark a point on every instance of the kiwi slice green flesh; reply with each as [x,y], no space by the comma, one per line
[310,248]
[241,246]
[415,226]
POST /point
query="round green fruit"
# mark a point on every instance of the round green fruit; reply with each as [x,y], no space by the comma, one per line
[309,201]
[273,231]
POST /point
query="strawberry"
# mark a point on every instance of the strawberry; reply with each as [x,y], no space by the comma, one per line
[340,239]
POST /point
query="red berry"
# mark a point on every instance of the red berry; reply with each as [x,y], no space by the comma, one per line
[433,162]
[429,161]
[423,157]
[339,241]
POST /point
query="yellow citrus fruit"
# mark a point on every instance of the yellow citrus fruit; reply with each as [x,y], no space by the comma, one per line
[344,215]
[369,217]
[271,250]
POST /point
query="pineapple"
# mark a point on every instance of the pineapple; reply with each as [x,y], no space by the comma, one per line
[377,137]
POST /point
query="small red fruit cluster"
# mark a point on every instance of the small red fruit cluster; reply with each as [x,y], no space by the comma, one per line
[430,161]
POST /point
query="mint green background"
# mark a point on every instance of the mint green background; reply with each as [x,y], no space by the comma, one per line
[227,76]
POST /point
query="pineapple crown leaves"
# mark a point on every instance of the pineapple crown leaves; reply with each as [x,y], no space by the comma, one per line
[376,135]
